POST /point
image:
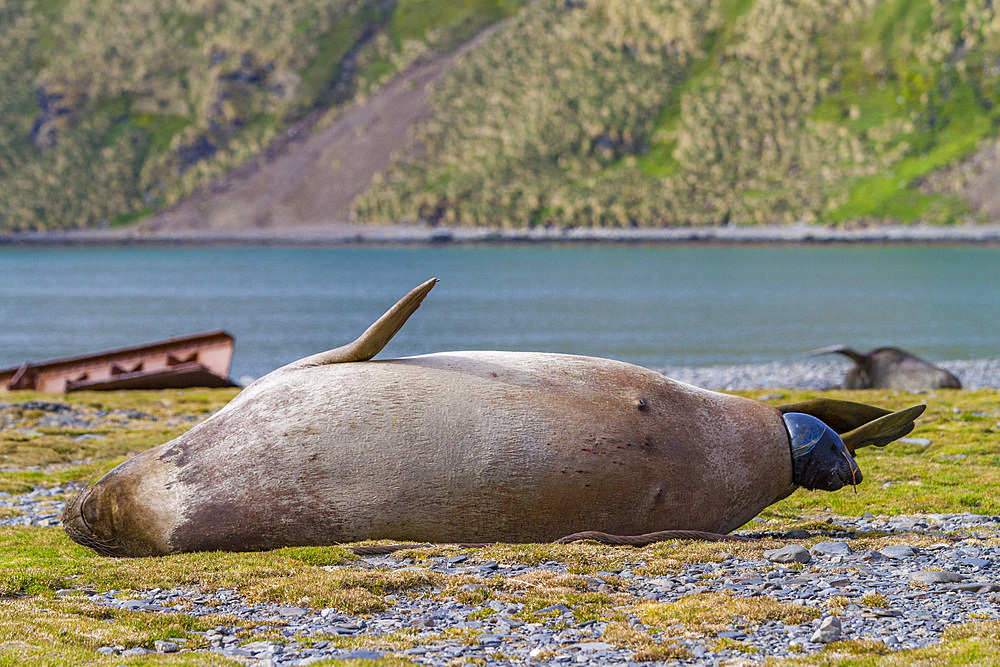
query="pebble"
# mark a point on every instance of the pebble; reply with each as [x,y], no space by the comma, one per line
[935,577]
[828,631]
[793,553]
[898,551]
[163,646]
[830,549]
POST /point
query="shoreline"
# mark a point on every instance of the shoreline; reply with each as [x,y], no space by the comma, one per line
[335,235]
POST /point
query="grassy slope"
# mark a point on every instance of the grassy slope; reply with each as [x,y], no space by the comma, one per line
[39,627]
[603,113]
[111,110]
[752,111]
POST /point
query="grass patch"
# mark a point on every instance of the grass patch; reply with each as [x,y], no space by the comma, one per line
[66,631]
[446,23]
[39,561]
[908,479]
[968,644]
[710,613]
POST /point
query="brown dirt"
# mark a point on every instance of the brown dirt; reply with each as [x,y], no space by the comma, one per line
[975,179]
[309,178]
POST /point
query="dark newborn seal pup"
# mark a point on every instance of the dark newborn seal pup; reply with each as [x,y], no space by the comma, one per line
[891,368]
[468,446]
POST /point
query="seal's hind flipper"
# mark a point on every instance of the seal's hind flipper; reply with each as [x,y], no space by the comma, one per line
[849,352]
[377,336]
[841,416]
[882,431]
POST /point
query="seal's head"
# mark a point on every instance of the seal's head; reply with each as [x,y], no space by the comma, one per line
[123,514]
[820,460]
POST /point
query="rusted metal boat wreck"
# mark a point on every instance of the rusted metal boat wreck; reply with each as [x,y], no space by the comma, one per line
[198,360]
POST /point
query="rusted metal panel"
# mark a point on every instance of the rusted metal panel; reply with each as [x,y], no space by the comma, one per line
[198,360]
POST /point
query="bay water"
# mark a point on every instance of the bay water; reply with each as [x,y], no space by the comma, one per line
[655,306]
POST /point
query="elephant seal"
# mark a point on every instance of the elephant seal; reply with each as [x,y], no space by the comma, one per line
[891,368]
[467,446]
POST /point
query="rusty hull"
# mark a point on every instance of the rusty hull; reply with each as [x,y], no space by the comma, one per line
[197,360]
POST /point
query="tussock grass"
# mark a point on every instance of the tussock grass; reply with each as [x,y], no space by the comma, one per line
[706,113]
[110,110]
[710,613]
[67,631]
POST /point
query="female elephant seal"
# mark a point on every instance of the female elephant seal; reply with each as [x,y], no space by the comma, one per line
[467,446]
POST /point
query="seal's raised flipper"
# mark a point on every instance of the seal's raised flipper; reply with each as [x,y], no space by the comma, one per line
[849,352]
[377,336]
[882,431]
[841,416]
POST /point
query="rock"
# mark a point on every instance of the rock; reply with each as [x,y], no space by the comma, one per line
[830,549]
[828,631]
[882,612]
[792,553]
[163,646]
[361,654]
[592,646]
[933,577]
[796,534]
[561,608]
[469,588]
[292,611]
[898,551]
[923,442]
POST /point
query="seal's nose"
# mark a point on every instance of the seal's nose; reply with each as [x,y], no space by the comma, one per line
[820,460]
[72,518]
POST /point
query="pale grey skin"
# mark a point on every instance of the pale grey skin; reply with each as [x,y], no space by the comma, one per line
[460,446]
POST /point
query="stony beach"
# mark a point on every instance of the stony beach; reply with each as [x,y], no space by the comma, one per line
[341,233]
[899,595]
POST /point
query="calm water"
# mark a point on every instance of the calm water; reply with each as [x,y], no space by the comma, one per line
[655,306]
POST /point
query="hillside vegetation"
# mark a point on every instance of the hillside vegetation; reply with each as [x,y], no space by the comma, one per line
[681,112]
[574,113]
[112,109]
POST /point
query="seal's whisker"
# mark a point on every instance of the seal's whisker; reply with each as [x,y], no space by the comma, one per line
[854,479]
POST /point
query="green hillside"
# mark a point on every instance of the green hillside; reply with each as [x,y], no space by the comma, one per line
[690,112]
[111,109]
[574,113]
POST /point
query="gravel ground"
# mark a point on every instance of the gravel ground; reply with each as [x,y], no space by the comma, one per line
[925,590]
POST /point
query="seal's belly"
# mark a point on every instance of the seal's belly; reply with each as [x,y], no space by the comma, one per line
[478,446]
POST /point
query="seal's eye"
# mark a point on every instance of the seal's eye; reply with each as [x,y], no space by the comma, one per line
[89,512]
